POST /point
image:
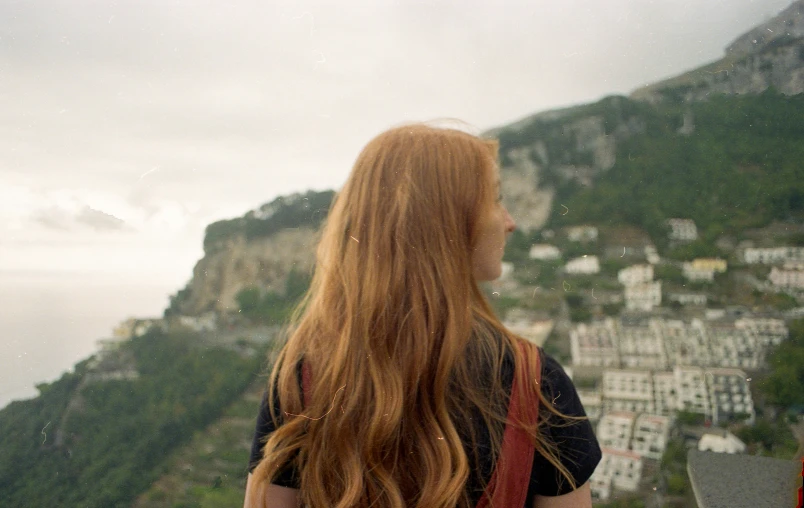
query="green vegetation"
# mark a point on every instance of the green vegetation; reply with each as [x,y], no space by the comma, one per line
[517,248]
[674,467]
[774,439]
[105,443]
[295,211]
[579,312]
[271,307]
[689,418]
[669,274]
[112,442]
[623,503]
[210,471]
[739,169]
[784,385]
[539,273]
[692,250]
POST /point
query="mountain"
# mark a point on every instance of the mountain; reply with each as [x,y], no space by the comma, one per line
[735,121]
[729,163]
[573,155]
[769,55]
[257,250]
[721,144]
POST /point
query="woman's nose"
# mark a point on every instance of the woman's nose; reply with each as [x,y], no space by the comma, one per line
[510,226]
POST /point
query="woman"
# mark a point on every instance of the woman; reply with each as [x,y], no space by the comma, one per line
[393,389]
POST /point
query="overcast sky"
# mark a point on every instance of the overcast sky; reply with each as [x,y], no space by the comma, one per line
[127,126]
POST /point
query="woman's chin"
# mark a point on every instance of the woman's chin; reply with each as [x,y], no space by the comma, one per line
[489,275]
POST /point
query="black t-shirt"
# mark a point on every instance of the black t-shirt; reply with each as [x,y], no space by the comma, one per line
[578,448]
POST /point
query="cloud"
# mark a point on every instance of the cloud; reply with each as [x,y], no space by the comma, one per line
[58,218]
[144,211]
[53,218]
[100,221]
[235,106]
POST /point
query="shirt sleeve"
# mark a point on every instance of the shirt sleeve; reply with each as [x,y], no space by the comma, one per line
[578,449]
[288,476]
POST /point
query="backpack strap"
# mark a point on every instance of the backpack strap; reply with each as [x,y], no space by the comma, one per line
[508,486]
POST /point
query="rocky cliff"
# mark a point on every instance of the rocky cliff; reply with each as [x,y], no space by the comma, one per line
[540,155]
[240,263]
[257,250]
[547,150]
[788,23]
[581,142]
[770,55]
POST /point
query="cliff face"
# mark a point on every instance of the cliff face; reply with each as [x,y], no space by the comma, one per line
[779,64]
[788,23]
[574,145]
[539,154]
[770,55]
[580,143]
[523,197]
[239,263]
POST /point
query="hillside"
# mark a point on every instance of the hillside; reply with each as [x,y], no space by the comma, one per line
[99,436]
[769,55]
[161,419]
[729,163]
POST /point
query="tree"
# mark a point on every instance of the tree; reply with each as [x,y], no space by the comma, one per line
[784,385]
[248,299]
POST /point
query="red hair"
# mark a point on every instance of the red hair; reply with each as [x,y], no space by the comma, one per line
[395,330]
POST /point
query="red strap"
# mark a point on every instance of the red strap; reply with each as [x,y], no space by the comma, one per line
[511,477]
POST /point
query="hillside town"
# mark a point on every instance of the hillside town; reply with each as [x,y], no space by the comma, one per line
[663,350]
[668,350]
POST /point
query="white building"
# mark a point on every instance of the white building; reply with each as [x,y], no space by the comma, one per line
[793,265]
[643,297]
[697,273]
[583,265]
[615,428]
[720,441]
[665,400]
[692,393]
[641,346]
[767,331]
[683,230]
[697,299]
[582,233]
[134,327]
[787,279]
[600,486]
[685,343]
[527,327]
[592,402]
[635,275]
[715,264]
[623,469]
[594,344]
[730,396]
[651,433]
[773,255]
[204,323]
[652,255]
[627,390]
[730,346]
[544,252]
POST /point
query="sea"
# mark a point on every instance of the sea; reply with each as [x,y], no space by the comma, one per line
[49,321]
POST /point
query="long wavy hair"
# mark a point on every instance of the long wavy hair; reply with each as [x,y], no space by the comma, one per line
[396,330]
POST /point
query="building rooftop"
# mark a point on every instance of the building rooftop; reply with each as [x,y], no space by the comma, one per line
[742,481]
